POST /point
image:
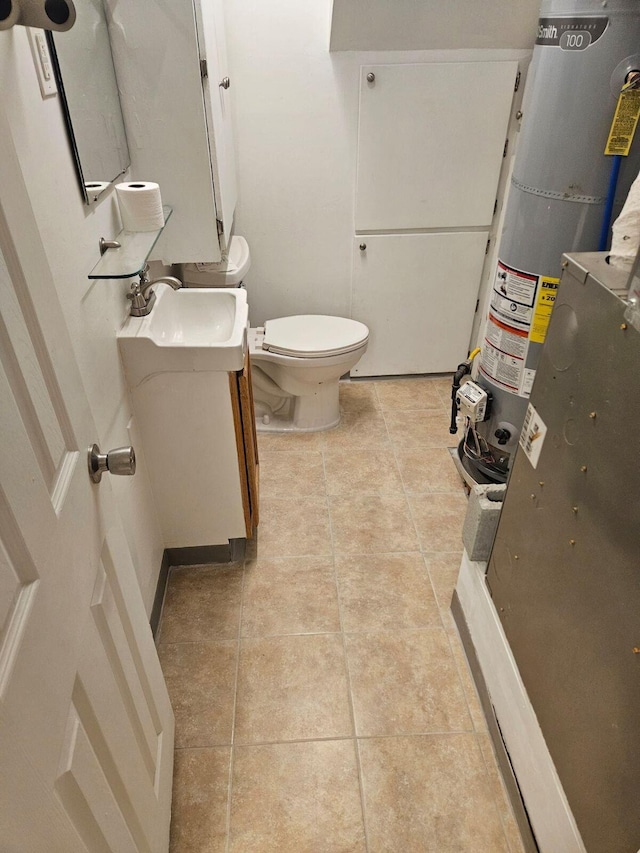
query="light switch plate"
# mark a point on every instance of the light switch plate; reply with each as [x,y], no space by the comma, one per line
[42,62]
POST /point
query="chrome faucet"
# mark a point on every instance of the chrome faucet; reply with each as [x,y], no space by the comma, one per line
[142,297]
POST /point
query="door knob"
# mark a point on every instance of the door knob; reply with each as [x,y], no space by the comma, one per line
[121,461]
[225,83]
[363,247]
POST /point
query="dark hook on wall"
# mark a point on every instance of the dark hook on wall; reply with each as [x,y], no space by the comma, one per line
[58,15]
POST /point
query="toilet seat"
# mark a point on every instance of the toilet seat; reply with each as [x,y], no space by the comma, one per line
[313,335]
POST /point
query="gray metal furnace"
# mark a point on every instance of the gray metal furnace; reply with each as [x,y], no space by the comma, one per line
[564,572]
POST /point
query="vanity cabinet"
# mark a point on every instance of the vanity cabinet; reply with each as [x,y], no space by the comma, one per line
[171,66]
[198,432]
[244,422]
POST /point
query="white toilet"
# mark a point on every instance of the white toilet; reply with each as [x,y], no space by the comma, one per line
[296,362]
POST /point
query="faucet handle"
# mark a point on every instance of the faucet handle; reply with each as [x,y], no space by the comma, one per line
[141,305]
[136,296]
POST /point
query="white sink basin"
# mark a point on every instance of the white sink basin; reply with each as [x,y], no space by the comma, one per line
[187,329]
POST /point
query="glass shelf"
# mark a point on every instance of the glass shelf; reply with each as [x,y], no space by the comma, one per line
[131,257]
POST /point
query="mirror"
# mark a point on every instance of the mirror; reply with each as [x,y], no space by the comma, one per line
[89,97]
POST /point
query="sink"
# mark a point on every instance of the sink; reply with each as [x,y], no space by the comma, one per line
[190,329]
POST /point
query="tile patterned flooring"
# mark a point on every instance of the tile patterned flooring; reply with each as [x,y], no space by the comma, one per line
[323,702]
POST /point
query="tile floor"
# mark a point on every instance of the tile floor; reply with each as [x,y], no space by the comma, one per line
[323,702]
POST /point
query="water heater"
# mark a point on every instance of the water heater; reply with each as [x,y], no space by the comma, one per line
[584,52]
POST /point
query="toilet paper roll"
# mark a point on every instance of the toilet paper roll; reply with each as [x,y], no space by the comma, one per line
[59,15]
[94,188]
[140,206]
[9,14]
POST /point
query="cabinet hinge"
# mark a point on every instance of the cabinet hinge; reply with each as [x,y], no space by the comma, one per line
[486,250]
[517,86]
[506,145]
[204,71]
[477,305]
[495,207]
[220,227]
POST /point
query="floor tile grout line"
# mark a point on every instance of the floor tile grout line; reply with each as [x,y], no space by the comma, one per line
[500,785]
[331,738]
[404,491]
[423,552]
[395,629]
[430,579]
[455,662]
[234,710]
[328,556]
[348,679]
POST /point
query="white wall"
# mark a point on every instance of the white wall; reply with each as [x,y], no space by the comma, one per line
[94,310]
[296,122]
[432,24]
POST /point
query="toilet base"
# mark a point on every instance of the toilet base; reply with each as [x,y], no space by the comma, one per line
[281,425]
[306,413]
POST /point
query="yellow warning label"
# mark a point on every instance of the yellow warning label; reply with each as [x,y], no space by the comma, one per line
[545,300]
[624,123]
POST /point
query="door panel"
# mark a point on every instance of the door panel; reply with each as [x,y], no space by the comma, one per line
[430,144]
[417,294]
[86,728]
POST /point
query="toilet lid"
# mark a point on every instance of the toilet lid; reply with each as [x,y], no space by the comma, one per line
[313,335]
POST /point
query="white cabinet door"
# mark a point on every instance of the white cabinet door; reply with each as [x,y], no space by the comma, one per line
[213,48]
[430,144]
[417,294]
[178,123]
[86,727]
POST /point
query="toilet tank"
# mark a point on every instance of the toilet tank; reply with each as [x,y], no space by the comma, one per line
[229,272]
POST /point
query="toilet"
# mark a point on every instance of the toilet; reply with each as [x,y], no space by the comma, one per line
[296,362]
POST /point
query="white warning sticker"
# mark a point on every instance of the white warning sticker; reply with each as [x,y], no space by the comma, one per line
[519,312]
[506,338]
[527,382]
[513,297]
[504,354]
[532,436]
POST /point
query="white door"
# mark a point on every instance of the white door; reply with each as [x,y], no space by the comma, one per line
[86,728]
[430,143]
[417,294]
[213,47]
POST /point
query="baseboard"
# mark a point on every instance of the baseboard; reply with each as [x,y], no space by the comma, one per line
[161,591]
[551,819]
[504,762]
[197,555]
[200,555]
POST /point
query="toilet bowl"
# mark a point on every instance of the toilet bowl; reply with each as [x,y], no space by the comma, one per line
[296,363]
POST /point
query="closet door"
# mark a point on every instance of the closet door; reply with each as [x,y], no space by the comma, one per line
[417,295]
[430,143]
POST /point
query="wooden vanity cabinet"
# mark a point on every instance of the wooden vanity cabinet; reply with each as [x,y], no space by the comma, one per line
[199,437]
[244,423]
